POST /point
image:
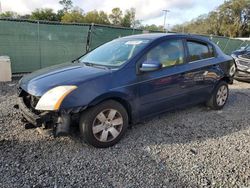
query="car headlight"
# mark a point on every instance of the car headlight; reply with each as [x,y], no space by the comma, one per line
[53,98]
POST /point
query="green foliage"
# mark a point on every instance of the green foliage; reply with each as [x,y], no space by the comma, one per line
[104,18]
[78,16]
[129,18]
[75,16]
[44,14]
[152,27]
[9,14]
[96,17]
[67,5]
[100,17]
[231,19]
[116,16]
[25,16]
[60,14]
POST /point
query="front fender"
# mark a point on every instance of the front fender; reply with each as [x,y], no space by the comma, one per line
[86,92]
[110,95]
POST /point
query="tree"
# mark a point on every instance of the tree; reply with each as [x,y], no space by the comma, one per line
[96,17]
[60,14]
[231,19]
[67,5]
[215,20]
[104,19]
[9,14]
[179,28]
[235,17]
[152,27]
[44,14]
[25,16]
[116,16]
[75,16]
[129,18]
[137,24]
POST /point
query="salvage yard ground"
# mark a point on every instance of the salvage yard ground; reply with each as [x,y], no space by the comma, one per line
[192,147]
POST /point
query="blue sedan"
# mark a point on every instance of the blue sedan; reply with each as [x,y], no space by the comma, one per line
[123,82]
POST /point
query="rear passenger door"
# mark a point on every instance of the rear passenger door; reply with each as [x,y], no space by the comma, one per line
[200,75]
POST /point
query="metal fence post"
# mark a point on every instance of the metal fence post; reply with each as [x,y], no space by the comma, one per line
[39,44]
[89,38]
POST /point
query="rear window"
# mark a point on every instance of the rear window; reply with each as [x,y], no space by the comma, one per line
[198,51]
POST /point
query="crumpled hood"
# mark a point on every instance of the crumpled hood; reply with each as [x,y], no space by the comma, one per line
[38,82]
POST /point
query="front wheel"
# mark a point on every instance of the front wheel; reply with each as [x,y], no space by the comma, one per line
[219,96]
[104,125]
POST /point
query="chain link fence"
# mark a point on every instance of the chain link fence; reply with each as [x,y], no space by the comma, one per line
[32,45]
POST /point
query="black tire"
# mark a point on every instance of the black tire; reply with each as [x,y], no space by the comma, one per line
[89,117]
[212,102]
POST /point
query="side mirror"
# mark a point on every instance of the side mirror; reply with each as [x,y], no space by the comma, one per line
[148,66]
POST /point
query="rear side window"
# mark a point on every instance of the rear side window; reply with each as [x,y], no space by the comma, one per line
[198,51]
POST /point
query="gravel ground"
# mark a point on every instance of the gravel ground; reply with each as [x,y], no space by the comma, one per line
[194,147]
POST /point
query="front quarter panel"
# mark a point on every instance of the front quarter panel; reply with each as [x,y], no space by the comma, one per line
[86,92]
[119,84]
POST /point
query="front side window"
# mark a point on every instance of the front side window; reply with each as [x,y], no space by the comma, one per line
[115,53]
[167,53]
[198,51]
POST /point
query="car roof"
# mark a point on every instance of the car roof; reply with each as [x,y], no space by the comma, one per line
[154,36]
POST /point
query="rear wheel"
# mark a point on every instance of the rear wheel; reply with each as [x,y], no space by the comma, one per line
[219,96]
[104,125]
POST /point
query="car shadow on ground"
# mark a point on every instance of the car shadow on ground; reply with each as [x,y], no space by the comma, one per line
[190,124]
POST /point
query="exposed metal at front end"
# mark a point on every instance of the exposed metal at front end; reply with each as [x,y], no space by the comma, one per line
[58,122]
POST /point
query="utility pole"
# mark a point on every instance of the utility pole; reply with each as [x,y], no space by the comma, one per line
[165,15]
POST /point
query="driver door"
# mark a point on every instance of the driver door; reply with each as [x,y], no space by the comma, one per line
[162,89]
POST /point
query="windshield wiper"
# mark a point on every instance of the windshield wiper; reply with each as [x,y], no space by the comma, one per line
[95,65]
[75,61]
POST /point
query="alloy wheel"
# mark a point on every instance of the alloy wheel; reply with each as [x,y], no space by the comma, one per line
[107,125]
[222,95]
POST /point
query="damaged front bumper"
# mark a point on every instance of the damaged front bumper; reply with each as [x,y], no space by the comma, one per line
[58,122]
[35,119]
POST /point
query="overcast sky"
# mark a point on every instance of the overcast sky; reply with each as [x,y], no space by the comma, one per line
[148,11]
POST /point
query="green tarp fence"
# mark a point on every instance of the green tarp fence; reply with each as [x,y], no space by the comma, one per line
[228,45]
[101,34]
[32,45]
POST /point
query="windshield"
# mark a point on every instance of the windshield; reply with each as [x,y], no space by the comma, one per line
[114,53]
